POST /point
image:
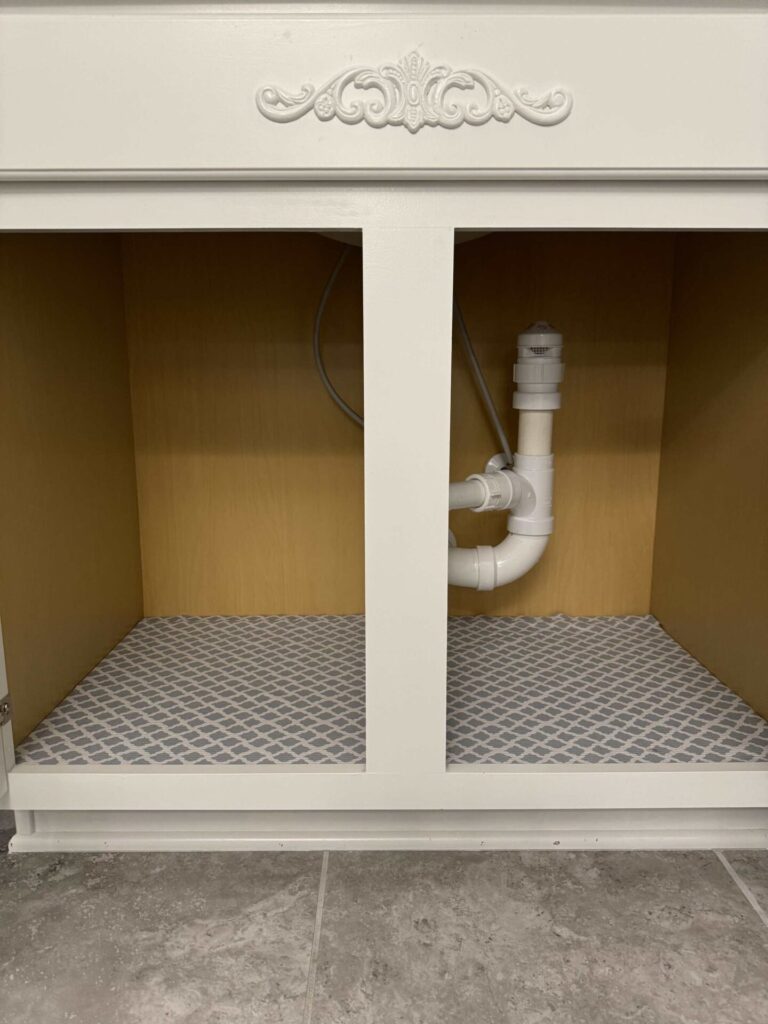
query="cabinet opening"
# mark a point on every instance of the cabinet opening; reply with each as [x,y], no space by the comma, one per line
[638,635]
[181,529]
[184,535]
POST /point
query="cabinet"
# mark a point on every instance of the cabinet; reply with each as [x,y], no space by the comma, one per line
[191,531]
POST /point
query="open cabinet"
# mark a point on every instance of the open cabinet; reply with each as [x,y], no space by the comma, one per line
[193,535]
[188,564]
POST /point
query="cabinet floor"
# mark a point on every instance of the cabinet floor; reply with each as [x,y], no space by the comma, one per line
[291,690]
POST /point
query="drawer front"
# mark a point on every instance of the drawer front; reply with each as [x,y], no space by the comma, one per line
[154,94]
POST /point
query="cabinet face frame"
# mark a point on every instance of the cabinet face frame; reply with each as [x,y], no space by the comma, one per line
[390,213]
[270,90]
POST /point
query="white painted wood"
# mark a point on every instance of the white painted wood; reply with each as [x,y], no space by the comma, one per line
[152,90]
[46,831]
[24,822]
[407,296]
[600,205]
[529,787]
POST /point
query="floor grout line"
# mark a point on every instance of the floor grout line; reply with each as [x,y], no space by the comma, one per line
[742,886]
[309,1000]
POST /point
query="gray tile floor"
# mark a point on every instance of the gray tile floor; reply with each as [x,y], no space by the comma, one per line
[385,938]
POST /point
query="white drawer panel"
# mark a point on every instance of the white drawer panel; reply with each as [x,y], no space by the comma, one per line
[155,93]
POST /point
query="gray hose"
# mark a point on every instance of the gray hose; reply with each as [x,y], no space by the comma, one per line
[466,344]
[482,386]
[317,351]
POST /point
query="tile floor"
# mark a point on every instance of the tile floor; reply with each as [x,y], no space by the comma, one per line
[385,938]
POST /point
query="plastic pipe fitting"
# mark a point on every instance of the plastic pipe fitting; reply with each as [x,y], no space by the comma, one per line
[527,488]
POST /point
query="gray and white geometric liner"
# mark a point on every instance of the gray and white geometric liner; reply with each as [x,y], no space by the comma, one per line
[291,690]
[184,690]
[613,690]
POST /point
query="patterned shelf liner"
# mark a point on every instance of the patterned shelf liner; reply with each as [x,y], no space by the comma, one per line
[291,690]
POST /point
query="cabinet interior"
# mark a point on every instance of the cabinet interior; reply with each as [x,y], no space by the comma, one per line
[167,449]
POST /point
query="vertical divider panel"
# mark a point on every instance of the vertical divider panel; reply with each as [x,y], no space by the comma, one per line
[408,289]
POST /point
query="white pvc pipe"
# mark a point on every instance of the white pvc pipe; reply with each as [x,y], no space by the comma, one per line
[463,570]
[487,568]
[484,568]
[465,494]
[538,372]
[534,432]
[516,555]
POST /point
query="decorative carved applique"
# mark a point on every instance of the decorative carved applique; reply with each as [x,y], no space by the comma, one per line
[414,93]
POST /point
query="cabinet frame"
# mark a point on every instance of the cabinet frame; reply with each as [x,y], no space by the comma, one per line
[409,230]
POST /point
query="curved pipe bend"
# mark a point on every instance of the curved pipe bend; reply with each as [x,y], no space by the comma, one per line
[484,568]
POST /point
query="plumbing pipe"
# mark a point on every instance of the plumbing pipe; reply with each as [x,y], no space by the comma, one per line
[534,432]
[485,567]
[538,373]
[466,494]
[493,489]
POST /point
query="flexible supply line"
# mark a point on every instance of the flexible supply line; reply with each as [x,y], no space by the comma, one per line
[480,382]
[466,344]
[316,349]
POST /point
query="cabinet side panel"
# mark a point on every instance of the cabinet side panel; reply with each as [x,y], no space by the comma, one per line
[710,584]
[70,578]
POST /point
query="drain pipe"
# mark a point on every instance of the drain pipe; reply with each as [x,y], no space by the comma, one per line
[526,488]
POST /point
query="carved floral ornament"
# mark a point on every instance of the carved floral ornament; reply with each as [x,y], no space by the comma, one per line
[414,93]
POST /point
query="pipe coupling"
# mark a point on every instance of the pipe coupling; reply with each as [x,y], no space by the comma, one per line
[501,489]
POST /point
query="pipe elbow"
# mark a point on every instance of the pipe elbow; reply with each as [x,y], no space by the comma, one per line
[485,568]
[516,555]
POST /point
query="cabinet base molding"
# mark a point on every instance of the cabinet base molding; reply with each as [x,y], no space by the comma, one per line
[93,831]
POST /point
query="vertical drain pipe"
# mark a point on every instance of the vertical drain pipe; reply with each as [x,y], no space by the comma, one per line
[527,488]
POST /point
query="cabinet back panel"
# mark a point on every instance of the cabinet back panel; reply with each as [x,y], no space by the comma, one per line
[251,480]
[70,583]
[610,296]
[710,587]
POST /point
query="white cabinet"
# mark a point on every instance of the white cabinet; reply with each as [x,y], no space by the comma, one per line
[409,124]
[146,92]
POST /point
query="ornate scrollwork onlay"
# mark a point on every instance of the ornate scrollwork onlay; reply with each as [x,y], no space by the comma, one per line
[414,93]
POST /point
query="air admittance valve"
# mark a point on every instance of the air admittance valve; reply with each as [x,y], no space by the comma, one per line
[539,368]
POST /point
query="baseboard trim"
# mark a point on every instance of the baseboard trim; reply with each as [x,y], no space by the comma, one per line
[70,831]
